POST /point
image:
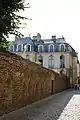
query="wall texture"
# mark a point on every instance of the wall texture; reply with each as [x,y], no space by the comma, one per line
[23,82]
[74,70]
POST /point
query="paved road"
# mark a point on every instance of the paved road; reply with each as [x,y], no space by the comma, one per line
[62,106]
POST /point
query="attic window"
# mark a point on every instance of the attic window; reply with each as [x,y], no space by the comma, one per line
[11,48]
[62,47]
[28,48]
[19,48]
[51,48]
[40,48]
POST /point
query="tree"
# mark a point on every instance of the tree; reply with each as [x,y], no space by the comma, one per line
[9,19]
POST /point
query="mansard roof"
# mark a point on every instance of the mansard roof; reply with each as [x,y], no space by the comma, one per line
[45,42]
[26,40]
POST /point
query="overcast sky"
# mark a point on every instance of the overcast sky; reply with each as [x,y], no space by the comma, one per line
[55,17]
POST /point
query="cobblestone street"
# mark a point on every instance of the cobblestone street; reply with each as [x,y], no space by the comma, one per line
[61,106]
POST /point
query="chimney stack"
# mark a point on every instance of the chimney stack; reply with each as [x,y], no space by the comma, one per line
[54,37]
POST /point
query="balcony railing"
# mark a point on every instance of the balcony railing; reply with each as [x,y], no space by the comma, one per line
[62,66]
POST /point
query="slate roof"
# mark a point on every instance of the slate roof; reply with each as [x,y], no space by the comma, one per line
[34,44]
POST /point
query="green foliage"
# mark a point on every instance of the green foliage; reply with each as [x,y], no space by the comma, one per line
[9,19]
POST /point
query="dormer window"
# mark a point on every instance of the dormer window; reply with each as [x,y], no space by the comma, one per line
[11,48]
[62,47]
[40,48]
[19,48]
[51,48]
[27,48]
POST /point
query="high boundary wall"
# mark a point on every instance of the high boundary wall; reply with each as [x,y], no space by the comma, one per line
[23,82]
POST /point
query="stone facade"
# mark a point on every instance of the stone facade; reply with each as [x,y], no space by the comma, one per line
[23,82]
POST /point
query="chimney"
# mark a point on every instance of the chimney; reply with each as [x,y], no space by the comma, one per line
[38,37]
[34,37]
[54,37]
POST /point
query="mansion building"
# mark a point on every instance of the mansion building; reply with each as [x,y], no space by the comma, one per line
[53,53]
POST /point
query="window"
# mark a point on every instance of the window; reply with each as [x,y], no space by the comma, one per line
[51,62]
[40,59]
[40,48]
[62,61]
[15,47]
[27,48]
[62,47]
[51,48]
[11,48]
[19,48]
[24,47]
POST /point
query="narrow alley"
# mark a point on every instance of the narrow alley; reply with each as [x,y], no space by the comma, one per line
[61,106]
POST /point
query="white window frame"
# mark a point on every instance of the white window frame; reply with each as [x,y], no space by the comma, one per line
[25,49]
[22,47]
[12,48]
[18,47]
[62,62]
[51,61]
[60,47]
[50,46]
[42,48]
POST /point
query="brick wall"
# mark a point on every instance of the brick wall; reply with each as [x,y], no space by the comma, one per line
[23,82]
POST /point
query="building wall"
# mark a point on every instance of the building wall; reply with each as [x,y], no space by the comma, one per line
[77,70]
[23,82]
[67,60]
[70,62]
[56,59]
[74,70]
[32,55]
[34,58]
[79,75]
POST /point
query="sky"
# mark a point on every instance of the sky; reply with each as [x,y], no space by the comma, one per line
[54,17]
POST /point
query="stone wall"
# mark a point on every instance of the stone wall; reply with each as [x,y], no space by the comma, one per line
[23,82]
